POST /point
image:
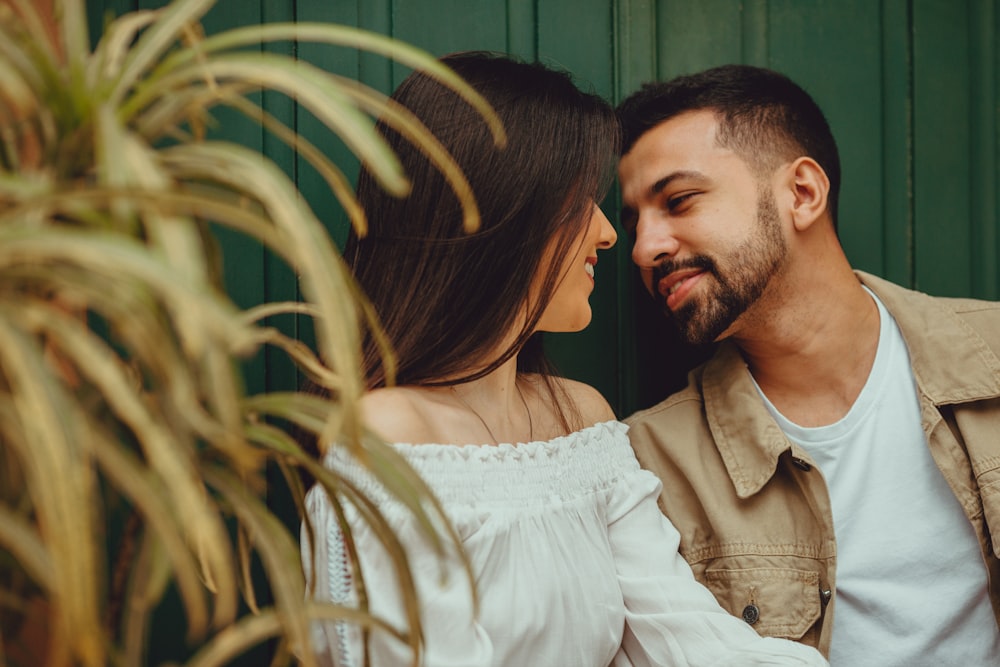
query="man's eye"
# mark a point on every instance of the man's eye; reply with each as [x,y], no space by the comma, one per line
[673,203]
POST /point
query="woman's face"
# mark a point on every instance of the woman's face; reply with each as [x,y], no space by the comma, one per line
[569,307]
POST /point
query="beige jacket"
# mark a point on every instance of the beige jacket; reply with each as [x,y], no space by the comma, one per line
[753,513]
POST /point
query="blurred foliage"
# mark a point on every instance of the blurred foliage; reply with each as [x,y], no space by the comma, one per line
[120,350]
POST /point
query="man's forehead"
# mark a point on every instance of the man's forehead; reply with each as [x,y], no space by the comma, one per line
[685,150]
[690,130]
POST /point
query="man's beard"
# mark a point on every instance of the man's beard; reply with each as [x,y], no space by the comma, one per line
[750,268]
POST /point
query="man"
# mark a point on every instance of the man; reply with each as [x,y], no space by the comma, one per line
[834,468]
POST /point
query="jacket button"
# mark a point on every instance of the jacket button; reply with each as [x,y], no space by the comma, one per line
[801,464]
[751,613]
[825,596]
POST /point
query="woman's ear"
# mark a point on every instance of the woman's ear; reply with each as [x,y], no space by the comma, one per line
[810,187]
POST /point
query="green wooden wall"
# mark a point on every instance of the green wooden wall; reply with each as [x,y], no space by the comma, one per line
[910,88]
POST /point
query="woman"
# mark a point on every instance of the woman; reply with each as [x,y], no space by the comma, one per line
[573,562]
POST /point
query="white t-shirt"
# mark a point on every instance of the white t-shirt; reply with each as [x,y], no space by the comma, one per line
[911,581]
[575,565]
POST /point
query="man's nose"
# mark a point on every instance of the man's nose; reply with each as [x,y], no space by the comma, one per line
[654,242]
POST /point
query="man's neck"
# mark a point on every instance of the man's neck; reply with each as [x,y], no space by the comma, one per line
[812,359]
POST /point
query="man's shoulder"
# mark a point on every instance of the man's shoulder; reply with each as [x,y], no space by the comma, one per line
[680,402]
[962,306]
[981,316]
[975,311]
[677,422]
[883,286]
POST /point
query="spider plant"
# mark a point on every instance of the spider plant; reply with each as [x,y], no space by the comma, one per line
[120,350]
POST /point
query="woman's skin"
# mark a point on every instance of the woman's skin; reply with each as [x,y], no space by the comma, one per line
[490,409]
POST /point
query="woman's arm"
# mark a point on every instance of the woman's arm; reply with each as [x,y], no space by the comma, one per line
[452,637]
[671,618]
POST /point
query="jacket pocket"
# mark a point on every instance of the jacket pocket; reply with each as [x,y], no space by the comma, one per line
[777,602]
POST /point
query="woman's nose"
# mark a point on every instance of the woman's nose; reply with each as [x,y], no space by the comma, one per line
[608,235]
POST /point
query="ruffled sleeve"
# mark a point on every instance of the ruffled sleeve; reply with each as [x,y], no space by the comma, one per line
[452,636]
[670,618]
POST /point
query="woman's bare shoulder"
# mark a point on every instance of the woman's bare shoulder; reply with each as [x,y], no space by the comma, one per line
[590,403]
[396,414]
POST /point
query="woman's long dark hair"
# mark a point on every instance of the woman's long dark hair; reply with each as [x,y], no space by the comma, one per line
[447,299]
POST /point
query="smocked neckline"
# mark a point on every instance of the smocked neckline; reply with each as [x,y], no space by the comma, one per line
[589,432]
[509,477]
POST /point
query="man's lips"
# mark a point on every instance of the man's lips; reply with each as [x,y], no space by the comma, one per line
[676,286]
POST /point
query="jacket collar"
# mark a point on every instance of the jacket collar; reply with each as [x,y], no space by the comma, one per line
[951,362]
[748,438]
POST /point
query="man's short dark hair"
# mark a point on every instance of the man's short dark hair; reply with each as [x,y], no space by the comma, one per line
[764,117]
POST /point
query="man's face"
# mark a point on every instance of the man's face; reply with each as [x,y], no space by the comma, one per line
[708,234]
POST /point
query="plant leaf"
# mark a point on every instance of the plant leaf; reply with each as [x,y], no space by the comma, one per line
[19,538]
[352,37]
[307,84]
[161,35]
[60,483]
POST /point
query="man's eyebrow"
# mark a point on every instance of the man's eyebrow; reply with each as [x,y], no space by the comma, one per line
[658,187]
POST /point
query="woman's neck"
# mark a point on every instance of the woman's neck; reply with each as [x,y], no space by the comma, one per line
[495,405]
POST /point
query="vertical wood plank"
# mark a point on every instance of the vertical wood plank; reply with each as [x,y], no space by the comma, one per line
[560,41]
[693,36]
[754,33]
[985,183]
[342,61]
[897,143]
[942,207]
[522,29]
[844,75]
[450,25]
[375,70]
[635,45]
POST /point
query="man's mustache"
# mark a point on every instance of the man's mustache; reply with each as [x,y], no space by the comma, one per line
[668,266]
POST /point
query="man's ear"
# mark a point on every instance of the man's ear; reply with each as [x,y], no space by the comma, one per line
[810,187]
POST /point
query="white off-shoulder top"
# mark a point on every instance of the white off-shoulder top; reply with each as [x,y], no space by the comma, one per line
[574,564]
